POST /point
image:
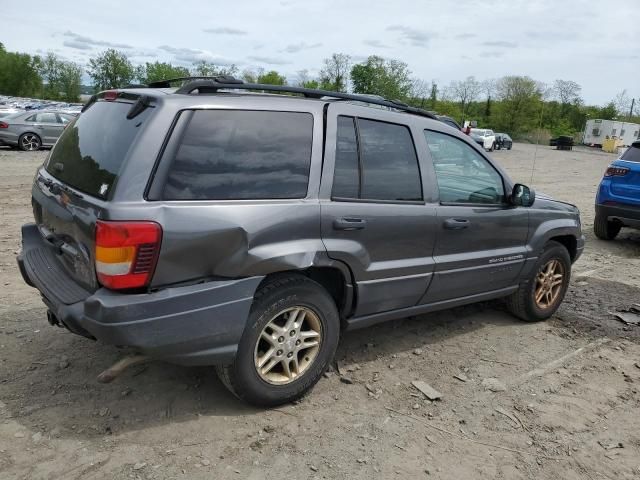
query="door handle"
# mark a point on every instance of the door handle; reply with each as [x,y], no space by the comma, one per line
[456,223]
[349,223]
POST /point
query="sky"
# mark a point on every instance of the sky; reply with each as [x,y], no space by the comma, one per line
[594,43]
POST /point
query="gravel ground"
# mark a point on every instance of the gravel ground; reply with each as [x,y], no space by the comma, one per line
[565,403]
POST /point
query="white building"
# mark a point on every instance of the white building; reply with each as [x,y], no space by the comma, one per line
[596,131]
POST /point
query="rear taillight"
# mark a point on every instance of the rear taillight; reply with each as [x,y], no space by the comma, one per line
[616,171]
[4,125]
[110,95]
[126,253]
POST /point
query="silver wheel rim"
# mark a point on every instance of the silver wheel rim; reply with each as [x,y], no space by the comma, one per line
[30,142]
[288,345]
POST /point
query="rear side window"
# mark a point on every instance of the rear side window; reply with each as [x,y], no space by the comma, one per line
[387,168]
[90,151]
[47,118]
[632,154]
[234,155]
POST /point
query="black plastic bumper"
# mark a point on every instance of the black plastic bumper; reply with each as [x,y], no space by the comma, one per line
[628,215]
[197,324]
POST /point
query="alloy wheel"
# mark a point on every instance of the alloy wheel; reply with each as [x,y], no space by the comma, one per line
[549,284]
[30,142]
[288,345]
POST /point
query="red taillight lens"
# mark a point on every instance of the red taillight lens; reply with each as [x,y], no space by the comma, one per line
[4,125]
[616,172]
[110,95]
[126,253]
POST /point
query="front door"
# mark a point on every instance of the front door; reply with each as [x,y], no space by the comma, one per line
[481,245]
[374,215]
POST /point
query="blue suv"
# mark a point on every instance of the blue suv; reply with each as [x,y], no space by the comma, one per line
[618,199]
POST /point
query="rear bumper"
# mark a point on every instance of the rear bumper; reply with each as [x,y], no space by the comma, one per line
[628,215]
[190,325]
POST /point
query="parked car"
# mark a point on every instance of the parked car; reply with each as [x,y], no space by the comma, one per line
[618,198]
[488,138]
[503,141]
[32,130]
[247,231]
[563,142]
[477,138]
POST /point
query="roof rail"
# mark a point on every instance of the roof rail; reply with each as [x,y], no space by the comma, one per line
[225,82]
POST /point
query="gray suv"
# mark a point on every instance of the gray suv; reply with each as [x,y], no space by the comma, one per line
[216,224]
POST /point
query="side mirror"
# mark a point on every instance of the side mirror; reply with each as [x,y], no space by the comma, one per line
[522,196]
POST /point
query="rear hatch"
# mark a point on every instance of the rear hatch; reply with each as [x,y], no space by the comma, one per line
[627,187]
[73,188]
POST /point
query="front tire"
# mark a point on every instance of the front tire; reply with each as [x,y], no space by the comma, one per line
[29,142]
[540,296]
[290,339]
[604,228]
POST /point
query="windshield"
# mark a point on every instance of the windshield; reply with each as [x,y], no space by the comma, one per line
[90,152]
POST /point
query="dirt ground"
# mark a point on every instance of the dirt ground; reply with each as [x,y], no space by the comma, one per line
[567,405]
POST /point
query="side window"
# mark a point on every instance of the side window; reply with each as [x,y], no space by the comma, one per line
[32,118]
[382,165]
[464,176]
[241,154]
[346,179]
[64,119]
[46,118]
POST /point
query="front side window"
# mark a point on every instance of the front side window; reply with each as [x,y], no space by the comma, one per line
[380,165]
[464,176]
[238,154]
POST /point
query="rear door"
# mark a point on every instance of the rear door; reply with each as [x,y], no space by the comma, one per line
[49,127]
[481,245]
[374,215]
[72,190]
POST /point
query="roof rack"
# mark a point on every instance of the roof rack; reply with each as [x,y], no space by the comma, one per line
[225,82]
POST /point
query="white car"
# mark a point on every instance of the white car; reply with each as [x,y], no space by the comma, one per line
[488,137]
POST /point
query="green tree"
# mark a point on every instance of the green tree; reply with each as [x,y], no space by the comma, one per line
[519,106]
[207,69]
[70,81]
[465,92]
[272,78]
[390,79]
[156,71]
[61,78]
[19,74]
[110,69]
[334,75]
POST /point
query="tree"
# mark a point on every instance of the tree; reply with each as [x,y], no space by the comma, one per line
[62,79]
[388,78]
[434,94]
[70,81]
[110,69]
[519,104]
[156,71]
[622,103]
[305,81]
[567,92]
[465,92]
[272,78]
[207,69]
[334,75]
[19,74]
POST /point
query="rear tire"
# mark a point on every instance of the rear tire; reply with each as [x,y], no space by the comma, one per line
[604,228]
[525,303]
[274,335]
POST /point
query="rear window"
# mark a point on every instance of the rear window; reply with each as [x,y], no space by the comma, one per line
[238,154]
[90,151]
[632,154]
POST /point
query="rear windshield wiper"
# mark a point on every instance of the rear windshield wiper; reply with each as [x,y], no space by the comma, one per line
[143,102]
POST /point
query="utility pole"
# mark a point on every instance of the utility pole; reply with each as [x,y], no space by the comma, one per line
[633,102]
